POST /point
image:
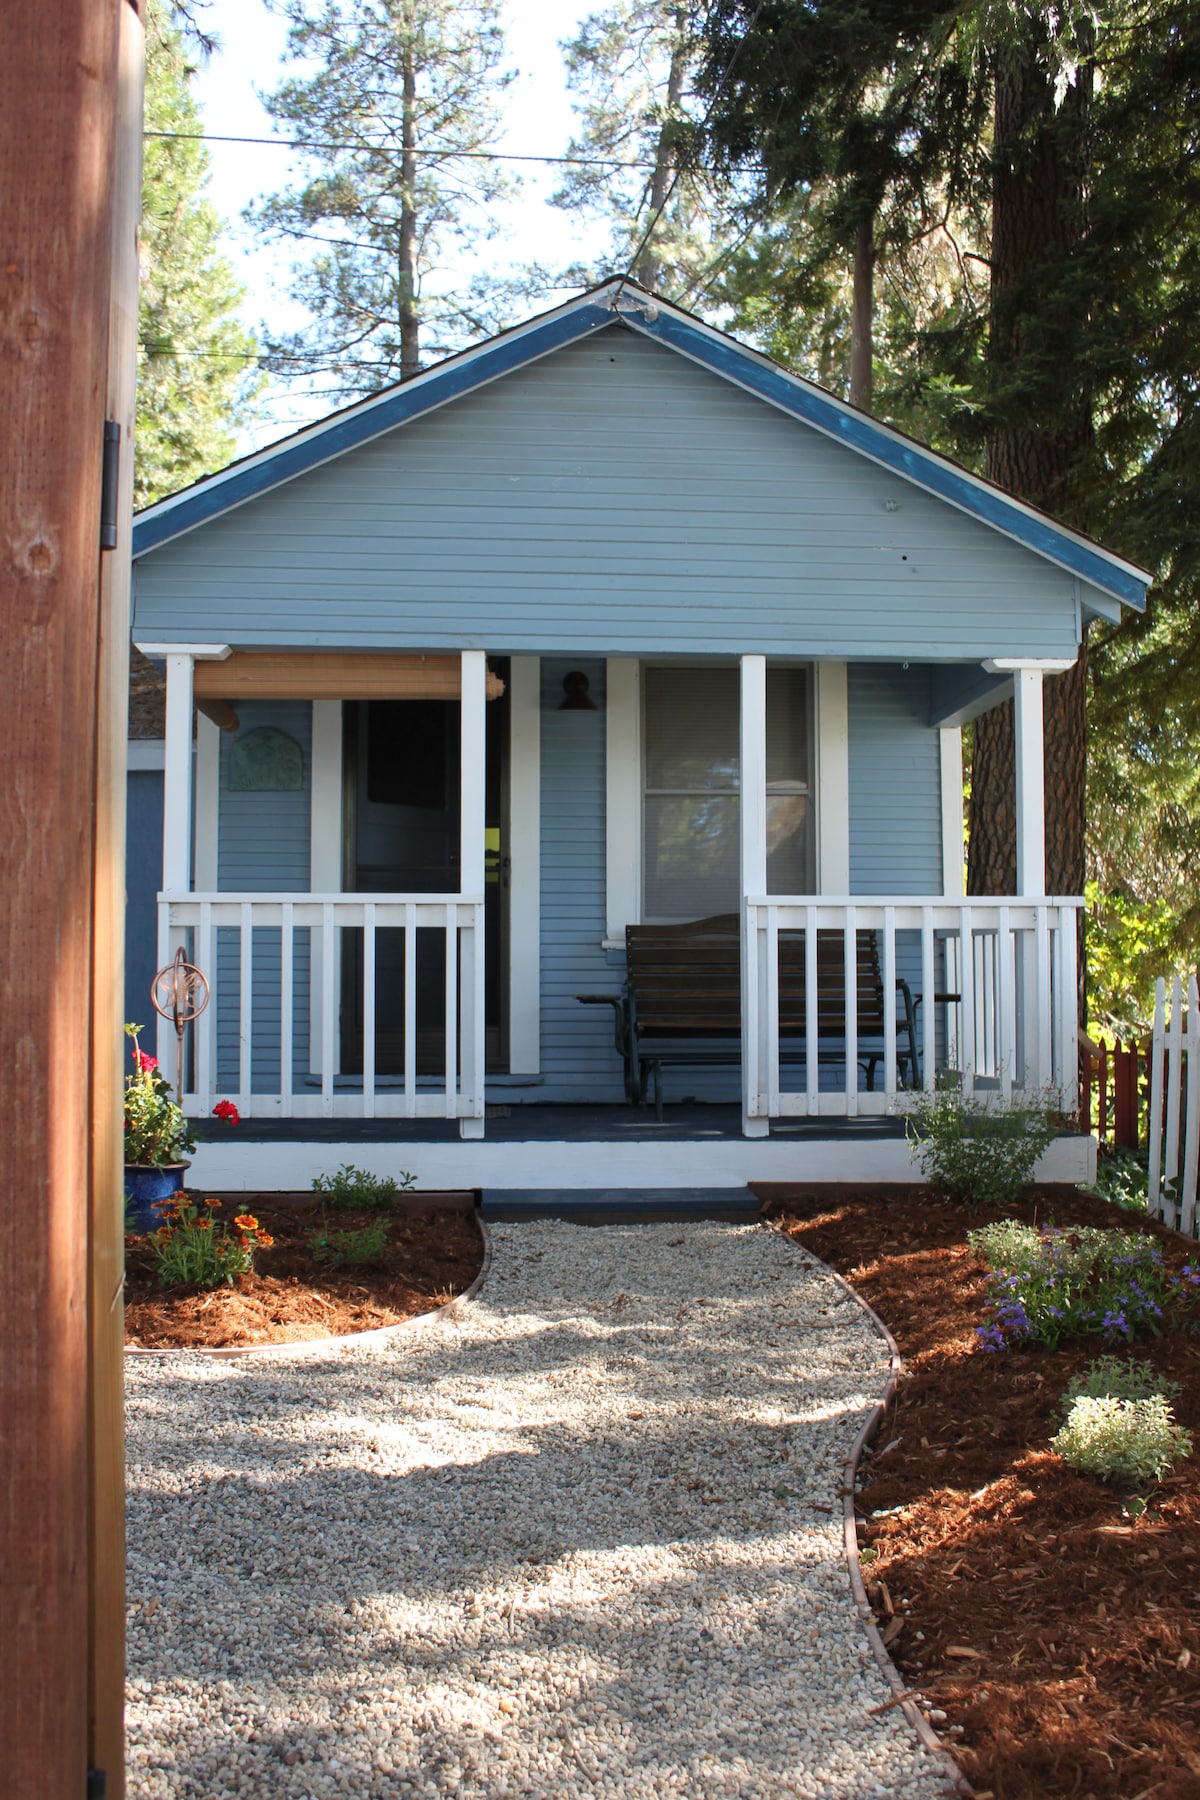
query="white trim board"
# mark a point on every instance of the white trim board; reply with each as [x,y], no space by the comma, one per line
[208,803]
[623,796]
[831,790]
[950,773]
[289,1166]
[324,856]
[525,866]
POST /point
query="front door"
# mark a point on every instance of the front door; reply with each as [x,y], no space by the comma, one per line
[401,813]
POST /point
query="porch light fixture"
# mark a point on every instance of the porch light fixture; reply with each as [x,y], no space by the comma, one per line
[576,697]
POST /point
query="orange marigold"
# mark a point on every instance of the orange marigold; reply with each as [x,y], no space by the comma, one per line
[246,1222]
[265,1240]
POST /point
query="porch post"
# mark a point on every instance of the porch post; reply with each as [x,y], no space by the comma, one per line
[753,885]
[177,815]
[472,850]
[1031,781]
[177,777]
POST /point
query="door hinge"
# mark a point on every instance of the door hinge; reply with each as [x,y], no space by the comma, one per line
[109,481]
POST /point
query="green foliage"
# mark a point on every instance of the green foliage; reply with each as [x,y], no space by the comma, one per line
[1084,360]
[192,1251]
[357,1249]
[156,1133]
[357,1190]
[1048,1286]
[1122,1179]
[980,1150]
[1132,938]
[629,70]
[1129,1442]
[408,90]
[1117,1378]
[196,376]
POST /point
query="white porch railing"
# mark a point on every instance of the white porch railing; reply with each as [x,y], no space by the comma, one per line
[996,981]
[287,988]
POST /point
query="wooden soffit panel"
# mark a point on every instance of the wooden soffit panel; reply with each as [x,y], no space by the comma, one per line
[342,675]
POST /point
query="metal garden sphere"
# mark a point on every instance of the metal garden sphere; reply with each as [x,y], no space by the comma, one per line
[179,993]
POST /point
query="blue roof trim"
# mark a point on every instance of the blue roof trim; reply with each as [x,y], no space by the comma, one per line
[724,356]
[358,426]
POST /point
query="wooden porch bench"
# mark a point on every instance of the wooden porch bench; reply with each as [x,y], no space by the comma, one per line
[681,1004]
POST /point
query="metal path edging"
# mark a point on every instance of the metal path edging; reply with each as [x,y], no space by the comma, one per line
[337,1346]
[902,1697]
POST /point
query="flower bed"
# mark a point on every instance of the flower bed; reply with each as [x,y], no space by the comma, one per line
[296,1290]
[1048,1621]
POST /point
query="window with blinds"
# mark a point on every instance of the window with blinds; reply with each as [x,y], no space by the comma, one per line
[691,789]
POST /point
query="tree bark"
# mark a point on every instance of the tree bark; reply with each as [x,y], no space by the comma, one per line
[410,325]
[1042,431]
[862,317]
[649,265]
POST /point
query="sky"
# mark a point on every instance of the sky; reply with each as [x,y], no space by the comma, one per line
[250,47]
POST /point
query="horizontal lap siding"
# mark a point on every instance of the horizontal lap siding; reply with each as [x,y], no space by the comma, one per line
[578,1058]
[143,877]
[895,795]
[263,847]
[612,498]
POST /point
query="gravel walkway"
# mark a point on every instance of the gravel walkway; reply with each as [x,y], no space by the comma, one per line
[583,1539]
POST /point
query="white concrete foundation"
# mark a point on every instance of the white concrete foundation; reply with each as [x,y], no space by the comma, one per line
[288,1166]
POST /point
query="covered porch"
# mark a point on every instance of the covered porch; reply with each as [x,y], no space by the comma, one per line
[322,994]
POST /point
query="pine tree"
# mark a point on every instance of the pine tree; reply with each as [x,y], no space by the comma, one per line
[394,124]
[1077,381]
[196,378]
[630,69]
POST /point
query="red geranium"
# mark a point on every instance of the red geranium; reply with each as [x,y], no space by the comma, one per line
[143,1061]
[225,1109]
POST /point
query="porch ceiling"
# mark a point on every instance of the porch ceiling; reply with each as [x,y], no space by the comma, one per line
[317,675]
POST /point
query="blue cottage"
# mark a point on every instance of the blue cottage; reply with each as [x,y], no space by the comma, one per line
[608,623]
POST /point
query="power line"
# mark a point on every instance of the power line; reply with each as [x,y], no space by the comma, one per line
[580,162]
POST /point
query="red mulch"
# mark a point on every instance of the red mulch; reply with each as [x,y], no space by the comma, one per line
[430,1257]
[1082,1623]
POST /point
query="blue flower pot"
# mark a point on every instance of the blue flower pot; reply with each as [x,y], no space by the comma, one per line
[144,1184]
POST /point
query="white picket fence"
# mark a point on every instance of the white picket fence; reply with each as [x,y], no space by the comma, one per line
[1175,1105]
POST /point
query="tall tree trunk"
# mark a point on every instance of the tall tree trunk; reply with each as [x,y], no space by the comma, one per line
[1042,432]
[410,329]
[649,266]
[862,316]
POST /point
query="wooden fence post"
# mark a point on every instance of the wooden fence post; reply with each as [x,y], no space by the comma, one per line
[1125,1095]
[59,811]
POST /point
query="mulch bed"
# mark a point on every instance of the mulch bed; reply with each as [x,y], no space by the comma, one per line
[429,1257]
[1058,1636]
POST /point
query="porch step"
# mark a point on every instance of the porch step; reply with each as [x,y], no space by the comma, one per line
[620,1206]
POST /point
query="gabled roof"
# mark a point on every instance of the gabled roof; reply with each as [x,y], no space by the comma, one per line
[679,331]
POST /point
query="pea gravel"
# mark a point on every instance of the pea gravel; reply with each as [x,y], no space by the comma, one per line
[582,1537]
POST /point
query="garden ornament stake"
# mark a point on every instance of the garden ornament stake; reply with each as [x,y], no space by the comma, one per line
[179,993]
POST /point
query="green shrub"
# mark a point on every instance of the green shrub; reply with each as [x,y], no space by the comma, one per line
[980,1150]
[1122,1179]
[358,1249]
[1118,1378]
[1048,1285]
[356,1190]
[1129,1442]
